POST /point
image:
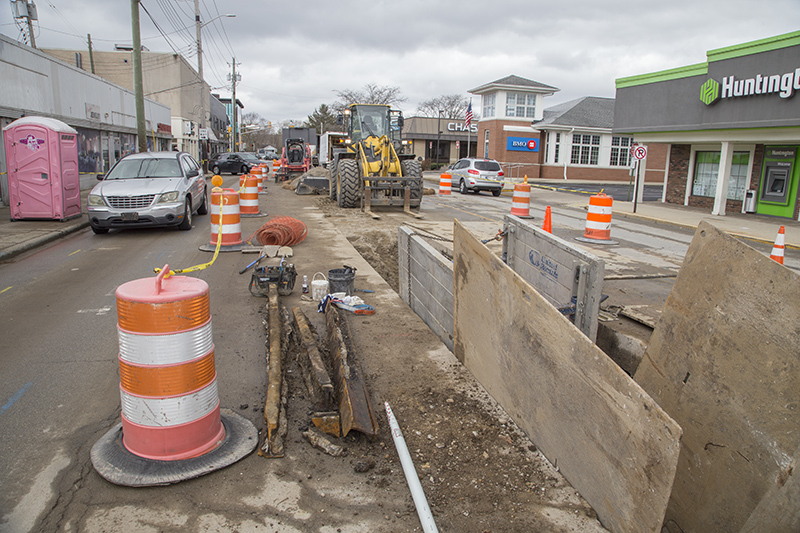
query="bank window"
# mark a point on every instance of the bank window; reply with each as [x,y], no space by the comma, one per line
[706,170]
[520,105]
[621,151]
[585,149]
[555,140]
[488,104]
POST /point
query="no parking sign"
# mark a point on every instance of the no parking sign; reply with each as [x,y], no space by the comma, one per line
[638,151]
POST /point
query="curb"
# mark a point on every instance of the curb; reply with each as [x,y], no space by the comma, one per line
[17,249]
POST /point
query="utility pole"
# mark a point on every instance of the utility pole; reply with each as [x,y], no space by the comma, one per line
[137,77]
[23,9]
[198,27]
[234,78]
[91,55]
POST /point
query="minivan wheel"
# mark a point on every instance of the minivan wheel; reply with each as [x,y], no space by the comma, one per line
[99,231]
[496,192]
[186,223]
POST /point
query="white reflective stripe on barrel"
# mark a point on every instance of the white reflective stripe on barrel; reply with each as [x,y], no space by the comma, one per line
[230,209]
[590,224]
[165,349]
[600,210]
[226,228]
[160,412]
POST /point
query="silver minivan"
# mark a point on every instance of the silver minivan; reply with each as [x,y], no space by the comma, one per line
[472,174]
[148,189]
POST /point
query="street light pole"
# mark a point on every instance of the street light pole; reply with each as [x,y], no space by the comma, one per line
[438,136]
[203,94]
[138,87]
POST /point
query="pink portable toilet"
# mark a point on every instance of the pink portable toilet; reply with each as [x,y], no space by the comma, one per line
[42,162]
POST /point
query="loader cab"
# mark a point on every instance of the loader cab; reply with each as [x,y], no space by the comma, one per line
[368,121]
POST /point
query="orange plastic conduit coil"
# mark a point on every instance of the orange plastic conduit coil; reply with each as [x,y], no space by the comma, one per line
[281,231]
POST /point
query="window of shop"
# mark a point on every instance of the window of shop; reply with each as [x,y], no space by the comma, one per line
[706,170]
[585,149]
[555,140]
[486,144]
[488,104]
[621,151]
[520,105]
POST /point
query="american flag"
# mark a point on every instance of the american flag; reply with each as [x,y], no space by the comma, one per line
[468,119]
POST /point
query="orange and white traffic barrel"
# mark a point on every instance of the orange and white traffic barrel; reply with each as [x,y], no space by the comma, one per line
[445,183]
[779,246]
[521,201]
[168,379]
[248,195]
[598,220]
[256,172]
[264,177]
[225,221]
[168,388]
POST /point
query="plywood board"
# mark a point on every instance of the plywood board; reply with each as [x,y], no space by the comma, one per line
[613,443]
[723,362]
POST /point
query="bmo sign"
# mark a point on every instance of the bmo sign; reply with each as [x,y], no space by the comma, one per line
[522,144]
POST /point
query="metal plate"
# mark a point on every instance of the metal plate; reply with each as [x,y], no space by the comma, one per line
[130,216]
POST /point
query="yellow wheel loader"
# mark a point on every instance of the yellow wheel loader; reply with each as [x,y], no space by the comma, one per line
[374,170]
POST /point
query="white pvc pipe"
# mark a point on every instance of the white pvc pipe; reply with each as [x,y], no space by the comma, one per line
[420,502]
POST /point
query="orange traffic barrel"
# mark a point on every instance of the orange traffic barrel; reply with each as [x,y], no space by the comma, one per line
[256,172]
[598,220]
[225,221]
[445,183]
[248,196]
[521,201]
[264,177]
[168,380]
[168,387]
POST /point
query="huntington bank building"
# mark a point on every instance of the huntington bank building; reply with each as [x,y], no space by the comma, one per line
[731,125]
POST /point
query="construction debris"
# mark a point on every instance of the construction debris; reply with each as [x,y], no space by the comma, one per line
[330,423]
[319,384]
[275,406]
[355,407]
[321,442]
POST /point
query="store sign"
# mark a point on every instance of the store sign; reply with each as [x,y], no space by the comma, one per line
[93,112]
[784,85]
[522,144]
[460,126]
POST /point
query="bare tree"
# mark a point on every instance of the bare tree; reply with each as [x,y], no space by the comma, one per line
[452,106]
[371,93]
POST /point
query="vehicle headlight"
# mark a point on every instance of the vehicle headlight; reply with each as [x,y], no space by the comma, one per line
[95,200]
[168,197]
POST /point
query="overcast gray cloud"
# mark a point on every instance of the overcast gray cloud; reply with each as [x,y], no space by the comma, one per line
[293,56]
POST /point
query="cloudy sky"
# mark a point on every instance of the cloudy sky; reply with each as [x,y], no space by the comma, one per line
[294,55]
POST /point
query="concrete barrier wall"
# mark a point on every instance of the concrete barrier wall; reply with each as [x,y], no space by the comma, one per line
[426,283]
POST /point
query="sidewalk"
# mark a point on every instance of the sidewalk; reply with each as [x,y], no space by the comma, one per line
[23,235]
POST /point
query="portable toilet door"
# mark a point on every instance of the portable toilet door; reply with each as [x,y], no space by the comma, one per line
[42,163]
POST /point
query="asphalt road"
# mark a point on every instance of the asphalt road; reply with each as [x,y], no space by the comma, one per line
[621,192]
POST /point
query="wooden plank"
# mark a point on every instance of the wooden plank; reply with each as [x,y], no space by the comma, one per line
[723,361]
[613,443]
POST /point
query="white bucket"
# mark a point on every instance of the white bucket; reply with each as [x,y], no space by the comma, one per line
[319,287]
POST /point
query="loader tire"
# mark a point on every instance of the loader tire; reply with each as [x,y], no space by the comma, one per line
[411,167]
[332,181]
[349,184]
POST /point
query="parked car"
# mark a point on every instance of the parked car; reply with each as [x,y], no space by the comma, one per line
[473,174]
[234,162]
[148,189]
[268,154]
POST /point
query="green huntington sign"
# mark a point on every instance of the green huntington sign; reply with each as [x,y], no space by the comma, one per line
[709,91]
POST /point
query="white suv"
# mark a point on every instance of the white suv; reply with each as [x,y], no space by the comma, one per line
[471,174]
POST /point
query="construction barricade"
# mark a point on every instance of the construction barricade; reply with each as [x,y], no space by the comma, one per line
[256,172]
[598,220]
[168,389]
[445,184]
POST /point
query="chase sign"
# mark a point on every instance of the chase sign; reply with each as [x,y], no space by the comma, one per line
[522,144]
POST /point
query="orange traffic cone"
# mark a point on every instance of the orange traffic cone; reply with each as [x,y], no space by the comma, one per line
[547,226]
[777,249]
